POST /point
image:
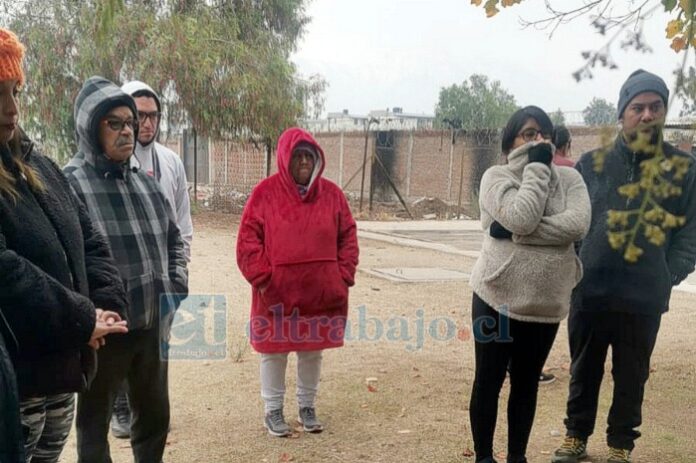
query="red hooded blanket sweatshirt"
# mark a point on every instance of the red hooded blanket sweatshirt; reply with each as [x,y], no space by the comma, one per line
[303,251]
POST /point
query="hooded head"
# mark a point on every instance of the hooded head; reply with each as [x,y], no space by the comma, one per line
[149,110]
[307,155]
[98,98]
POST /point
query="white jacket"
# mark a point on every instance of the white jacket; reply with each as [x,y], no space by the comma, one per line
[547,209]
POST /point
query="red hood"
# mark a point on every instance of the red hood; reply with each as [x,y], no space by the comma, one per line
[286,143]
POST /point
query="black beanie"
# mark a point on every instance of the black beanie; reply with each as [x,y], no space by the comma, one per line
[638,82]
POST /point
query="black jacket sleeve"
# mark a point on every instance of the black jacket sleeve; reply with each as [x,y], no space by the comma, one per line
[44,315]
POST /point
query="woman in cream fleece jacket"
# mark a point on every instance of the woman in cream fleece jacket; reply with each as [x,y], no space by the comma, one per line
[532,212]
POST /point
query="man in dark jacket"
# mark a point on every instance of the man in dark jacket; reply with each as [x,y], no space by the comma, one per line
[624,292]
[132,212]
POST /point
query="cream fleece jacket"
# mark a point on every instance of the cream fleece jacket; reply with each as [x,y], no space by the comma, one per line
[547,208]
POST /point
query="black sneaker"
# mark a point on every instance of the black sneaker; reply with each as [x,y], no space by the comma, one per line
[121,417]
[274,421]
[308,419]
[546,378]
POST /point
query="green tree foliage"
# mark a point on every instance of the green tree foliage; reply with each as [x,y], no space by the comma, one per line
[599,112]
[221,66]
[475,104]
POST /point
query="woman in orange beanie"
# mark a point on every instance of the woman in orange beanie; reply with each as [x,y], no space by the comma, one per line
[55,270]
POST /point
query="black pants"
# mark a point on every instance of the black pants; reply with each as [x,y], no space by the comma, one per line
[525,350]
[136,357]
[632,339]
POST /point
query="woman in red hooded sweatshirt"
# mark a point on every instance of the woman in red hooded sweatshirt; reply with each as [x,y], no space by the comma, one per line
[298,247]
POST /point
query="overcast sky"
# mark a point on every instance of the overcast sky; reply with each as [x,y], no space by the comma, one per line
[378,54]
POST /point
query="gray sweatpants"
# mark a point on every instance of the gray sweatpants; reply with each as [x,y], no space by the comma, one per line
[273,368]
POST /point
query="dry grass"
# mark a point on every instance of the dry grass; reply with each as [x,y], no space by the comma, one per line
[419,410]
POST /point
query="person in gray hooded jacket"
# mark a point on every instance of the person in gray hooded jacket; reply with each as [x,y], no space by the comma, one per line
[532,212]
[128,206]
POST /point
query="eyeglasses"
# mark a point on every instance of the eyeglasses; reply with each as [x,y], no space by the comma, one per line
[154,116]
[117,125]
[530,134]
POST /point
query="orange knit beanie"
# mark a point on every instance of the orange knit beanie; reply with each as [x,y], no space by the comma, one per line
[11,55]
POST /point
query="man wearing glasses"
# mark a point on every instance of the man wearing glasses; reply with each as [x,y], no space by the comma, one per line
[132,212]
[159,161]
[619,303]
[165,166]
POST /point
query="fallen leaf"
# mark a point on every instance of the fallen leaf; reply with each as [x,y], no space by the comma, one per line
[284,457]
[468,452]
[371,388]
[464,334]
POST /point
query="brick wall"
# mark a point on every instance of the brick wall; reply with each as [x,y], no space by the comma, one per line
[344,154]
[585,139]
[425,164]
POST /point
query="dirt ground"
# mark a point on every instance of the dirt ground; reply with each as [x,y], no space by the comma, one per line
[417,409]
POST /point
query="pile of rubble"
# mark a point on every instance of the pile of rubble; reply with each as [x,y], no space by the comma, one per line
[224,198]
